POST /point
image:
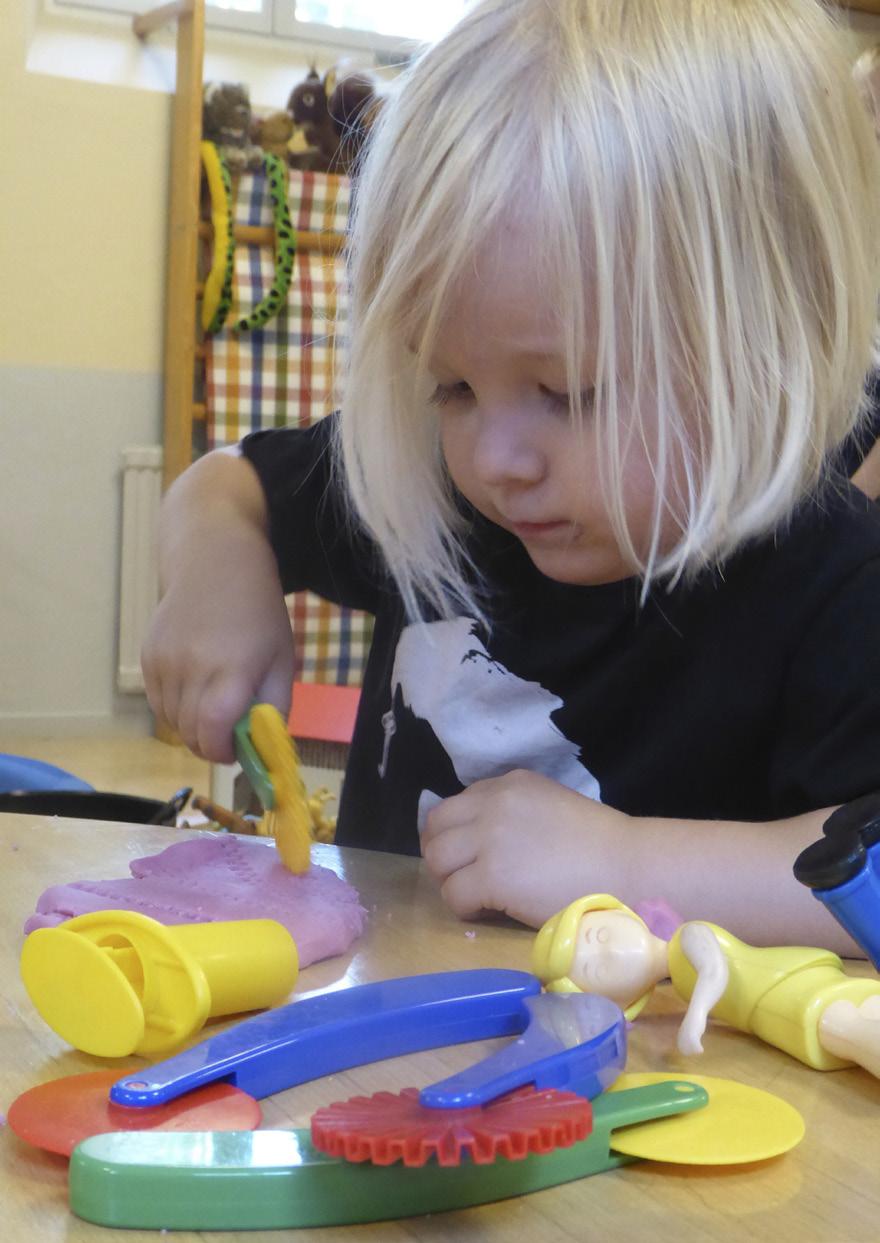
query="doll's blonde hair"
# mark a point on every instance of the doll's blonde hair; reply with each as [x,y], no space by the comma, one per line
[554,946]
[706,183]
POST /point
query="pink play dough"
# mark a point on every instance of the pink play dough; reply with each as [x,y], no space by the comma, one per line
[216,878]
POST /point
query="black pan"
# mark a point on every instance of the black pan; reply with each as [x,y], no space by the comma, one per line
[95,805]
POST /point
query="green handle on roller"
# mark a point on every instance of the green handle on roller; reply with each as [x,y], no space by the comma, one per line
[253,767]
[276,1180]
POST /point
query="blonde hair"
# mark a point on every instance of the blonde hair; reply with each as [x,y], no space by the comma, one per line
[867,79]
[554,946]
[712,168]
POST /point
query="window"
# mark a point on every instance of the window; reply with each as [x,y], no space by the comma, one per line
[401,19]
[373,24]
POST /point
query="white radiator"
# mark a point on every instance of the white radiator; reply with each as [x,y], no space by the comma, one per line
[139,570]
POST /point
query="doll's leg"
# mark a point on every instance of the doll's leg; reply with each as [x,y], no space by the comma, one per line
[852,1031]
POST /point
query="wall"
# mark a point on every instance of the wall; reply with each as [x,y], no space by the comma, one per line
[82,243]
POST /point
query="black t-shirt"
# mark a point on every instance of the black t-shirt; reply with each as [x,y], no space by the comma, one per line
[753,694]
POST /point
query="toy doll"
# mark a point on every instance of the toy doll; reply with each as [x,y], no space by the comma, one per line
[799,1000]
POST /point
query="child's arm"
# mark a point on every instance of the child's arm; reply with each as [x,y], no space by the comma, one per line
[525,845]
[221,634]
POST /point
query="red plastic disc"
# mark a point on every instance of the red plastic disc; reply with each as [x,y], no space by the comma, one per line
[386,1127]
[58,1114]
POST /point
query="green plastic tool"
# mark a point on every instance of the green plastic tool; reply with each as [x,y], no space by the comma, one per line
[249,759]
[276,1180]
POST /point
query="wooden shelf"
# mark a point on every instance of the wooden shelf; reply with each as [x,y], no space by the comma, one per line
[255,235]
[183,216]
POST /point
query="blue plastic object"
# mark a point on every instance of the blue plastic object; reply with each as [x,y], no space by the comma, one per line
[320,1035]
[855,901]
[569,1041]
[574,1042]
[18,772]
[843,871]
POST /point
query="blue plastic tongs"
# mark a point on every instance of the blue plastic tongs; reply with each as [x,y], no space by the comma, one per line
[570,1041]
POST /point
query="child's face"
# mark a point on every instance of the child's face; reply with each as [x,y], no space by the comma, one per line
[509,443]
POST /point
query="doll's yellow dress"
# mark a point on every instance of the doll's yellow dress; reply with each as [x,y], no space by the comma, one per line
[776,993]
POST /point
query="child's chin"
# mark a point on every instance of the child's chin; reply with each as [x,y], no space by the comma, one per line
[577,567]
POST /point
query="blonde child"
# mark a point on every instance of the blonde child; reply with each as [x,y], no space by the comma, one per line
[613,277]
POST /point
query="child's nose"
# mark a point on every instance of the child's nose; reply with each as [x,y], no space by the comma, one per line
[507,450]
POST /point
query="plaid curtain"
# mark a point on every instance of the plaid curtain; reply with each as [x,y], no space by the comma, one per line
[282,374]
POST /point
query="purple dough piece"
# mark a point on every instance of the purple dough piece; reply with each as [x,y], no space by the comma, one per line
[221,877]
[662,919]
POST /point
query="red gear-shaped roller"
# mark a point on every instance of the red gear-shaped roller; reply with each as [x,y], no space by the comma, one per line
[385,1128]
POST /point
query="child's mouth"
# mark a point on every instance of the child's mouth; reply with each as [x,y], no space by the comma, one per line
[539,531]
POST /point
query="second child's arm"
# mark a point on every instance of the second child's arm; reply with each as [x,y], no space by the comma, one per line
[221,635]
[527,846]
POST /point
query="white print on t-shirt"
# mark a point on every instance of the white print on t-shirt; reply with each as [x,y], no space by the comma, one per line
[488,720]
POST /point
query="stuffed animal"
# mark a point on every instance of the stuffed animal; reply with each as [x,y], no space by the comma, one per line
[273,133]
[334,113]
[353,103]
[285,247]
[307,106]
[218,298]
[227,148]
[226,122]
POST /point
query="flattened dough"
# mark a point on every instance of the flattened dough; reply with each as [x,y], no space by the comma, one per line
[220,877]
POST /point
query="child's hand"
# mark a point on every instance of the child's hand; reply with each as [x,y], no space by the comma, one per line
[206,660]
[524,845]
[221,635]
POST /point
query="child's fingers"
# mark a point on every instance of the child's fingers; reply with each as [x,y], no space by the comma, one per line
[162,687]
[153,688]
[462,893]
[224,699]
[185,718]
[171,691]
[449,851]
[276,688]
[449,813]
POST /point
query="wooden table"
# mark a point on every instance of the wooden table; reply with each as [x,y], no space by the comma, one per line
[827,1190]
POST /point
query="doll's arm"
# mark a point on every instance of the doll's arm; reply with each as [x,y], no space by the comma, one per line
[706,956]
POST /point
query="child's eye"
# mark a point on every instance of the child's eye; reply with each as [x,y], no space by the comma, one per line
[443,394]
[562,401]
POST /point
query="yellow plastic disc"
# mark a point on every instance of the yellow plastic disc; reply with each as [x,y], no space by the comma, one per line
[81,994]
[739,1124]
